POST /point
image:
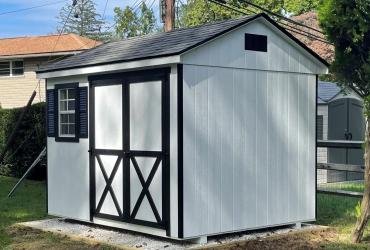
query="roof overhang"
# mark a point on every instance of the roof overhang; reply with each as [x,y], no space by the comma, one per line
[62,53]
[113,67]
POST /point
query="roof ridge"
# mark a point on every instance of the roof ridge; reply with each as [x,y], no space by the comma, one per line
[33,36]
[78,40]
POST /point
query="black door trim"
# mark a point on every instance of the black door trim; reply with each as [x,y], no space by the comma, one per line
[180,153]
[127,156]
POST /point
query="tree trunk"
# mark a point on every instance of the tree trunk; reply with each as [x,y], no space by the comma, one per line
[365,205]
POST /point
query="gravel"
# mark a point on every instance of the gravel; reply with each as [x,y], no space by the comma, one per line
[122,238]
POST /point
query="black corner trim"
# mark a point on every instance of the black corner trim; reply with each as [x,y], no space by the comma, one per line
[77,113]
[180,153]
[316,107]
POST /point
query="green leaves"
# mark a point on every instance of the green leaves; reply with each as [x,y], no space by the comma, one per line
[346,23]
[358,210]
[129,24]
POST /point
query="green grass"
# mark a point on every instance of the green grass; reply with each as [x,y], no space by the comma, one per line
[345,186]
[339,212]
[28,203]
[336,211]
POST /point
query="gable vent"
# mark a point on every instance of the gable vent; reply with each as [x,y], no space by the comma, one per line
[255,42]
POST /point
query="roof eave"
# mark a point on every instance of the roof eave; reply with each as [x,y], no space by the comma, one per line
[33,55]
[111,67]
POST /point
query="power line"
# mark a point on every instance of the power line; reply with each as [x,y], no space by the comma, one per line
[290,28]
[31,8]
[279,16]
[74,3]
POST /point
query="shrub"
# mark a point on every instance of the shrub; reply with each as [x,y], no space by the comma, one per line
[29,141]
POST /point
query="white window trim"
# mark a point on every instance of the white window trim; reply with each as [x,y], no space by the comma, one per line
[65,112]
[11,69]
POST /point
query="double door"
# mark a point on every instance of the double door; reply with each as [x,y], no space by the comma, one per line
[129,154]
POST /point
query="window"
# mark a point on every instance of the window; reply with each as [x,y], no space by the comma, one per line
[255,42]
[67,117]
[11,68]
[67,112]
[320,127]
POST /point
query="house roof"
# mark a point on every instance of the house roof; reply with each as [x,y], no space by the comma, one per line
[159,45]
[34,45]
[327,91]
[325,50]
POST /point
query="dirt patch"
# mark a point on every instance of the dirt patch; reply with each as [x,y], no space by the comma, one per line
[316,239]
[34,239]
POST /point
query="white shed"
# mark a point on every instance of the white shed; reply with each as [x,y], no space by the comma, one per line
[184,134]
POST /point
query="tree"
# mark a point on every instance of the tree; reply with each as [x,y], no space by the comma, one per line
[82,19]
[147,20]
[126,22]
[346,23]
[130,24]
[197,12]
[300,7]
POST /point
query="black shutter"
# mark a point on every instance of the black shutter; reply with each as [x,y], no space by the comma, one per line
[83,108]
[50,99]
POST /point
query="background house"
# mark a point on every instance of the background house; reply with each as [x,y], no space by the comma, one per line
[20,57]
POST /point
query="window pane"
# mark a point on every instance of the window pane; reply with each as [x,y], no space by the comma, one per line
[17,64]
[4,65]
[64,129]
[64,118]
[71,118]
[71,129]
[63,105]
[62,94]
[71,93]
[17,71]
[71,105]
[4,72]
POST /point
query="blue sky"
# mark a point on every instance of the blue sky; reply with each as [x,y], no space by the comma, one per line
[41,21]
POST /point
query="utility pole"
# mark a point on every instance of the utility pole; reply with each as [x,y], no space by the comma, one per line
[168,14]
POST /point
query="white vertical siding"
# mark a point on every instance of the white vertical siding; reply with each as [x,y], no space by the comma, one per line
[249,141]
[68,171]
[282,54]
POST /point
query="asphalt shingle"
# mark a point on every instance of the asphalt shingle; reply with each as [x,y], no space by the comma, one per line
[149,46]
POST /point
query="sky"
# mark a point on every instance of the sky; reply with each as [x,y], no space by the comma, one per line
[43,21]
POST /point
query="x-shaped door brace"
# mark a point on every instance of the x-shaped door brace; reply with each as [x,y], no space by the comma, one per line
[108,186]
[145,191]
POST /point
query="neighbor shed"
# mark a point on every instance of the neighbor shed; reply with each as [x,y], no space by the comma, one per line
[195,132]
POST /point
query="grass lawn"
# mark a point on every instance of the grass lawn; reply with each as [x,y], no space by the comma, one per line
[29,204]
[345,186]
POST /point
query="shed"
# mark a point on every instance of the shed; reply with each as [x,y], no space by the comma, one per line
[185,134]
[339,117]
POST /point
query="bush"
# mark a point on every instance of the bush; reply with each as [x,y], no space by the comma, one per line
[29,141]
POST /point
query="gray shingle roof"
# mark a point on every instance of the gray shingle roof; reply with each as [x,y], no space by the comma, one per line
[326,91]
[149,46]
[159,45]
